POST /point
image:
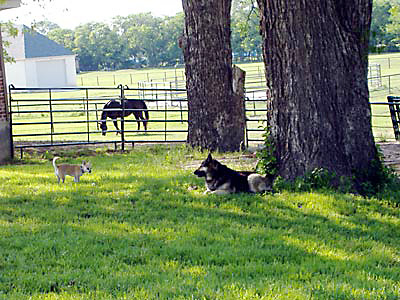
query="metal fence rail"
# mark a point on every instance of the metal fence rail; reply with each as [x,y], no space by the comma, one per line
[70,116]
[46,117]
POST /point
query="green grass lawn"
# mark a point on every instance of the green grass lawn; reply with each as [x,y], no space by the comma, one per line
[136,229]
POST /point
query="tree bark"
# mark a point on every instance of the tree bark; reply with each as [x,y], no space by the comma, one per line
[316,60]
[216,117]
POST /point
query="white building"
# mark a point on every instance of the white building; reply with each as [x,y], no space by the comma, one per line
[39,61]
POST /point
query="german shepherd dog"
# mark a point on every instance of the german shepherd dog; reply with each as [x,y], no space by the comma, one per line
[222,180]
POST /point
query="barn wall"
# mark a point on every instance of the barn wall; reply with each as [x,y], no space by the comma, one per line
[30,73]
[70,66]
[57,71]
[16,73]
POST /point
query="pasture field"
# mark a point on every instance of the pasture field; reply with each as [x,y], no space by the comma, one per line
[140,227]
[78,126]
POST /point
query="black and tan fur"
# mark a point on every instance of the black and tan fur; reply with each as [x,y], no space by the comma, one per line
[222,180]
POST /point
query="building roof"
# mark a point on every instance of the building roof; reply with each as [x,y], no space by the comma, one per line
[38,45]
[10,4]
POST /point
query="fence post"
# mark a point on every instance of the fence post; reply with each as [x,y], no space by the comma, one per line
[122,96]
[239,94]
[165,119]
[394,109]
[87,116]
[11,122]
[51,118]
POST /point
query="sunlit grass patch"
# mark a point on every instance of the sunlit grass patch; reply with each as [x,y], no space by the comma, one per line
[135,228]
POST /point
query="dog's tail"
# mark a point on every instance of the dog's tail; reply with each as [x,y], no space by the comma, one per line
[259,183]
[54,162]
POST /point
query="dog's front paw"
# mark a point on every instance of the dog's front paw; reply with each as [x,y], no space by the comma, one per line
[192,187]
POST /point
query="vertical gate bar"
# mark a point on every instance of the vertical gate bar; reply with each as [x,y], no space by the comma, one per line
[391,100]
[165,120]
[246,133]
[87,116]
[51,118]
[180,106]
[254,106]
[11,120]
[122,117]
[397,113]
[97,116]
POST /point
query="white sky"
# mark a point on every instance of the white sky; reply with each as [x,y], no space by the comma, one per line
[71,13]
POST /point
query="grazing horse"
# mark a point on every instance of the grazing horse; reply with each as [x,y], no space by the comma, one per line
[113,109]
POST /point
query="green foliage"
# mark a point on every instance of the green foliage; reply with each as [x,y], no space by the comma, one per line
[246,39]
[384,26]
[133,229]
[266,156]
[380,181]
[318,179]
[143,40]
[9,30]
[128,42]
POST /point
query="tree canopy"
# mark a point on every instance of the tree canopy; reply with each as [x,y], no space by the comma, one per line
[143,40]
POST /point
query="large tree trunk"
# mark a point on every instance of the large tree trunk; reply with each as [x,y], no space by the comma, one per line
[216,117]
[316,59]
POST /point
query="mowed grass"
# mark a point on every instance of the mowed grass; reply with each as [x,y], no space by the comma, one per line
[138,228]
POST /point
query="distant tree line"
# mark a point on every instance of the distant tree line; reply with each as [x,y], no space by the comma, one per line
[143,40]
[385,26]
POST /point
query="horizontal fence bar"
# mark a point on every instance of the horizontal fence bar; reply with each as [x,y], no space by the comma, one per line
[95,143]
[89,107]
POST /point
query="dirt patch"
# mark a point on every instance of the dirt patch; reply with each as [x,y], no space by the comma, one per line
[390,151]
[391,154]
[244,162]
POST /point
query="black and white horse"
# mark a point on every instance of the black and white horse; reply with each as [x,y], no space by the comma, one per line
[113,109]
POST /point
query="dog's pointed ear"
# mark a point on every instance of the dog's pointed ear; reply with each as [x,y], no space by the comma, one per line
[209,157]
[83,162]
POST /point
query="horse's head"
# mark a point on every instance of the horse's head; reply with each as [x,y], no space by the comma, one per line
[103,127]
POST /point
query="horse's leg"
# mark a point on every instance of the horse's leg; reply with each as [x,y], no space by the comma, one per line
[116,125]
[144,121]
[136,114]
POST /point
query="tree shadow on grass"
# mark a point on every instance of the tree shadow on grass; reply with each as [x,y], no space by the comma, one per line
[129,234]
